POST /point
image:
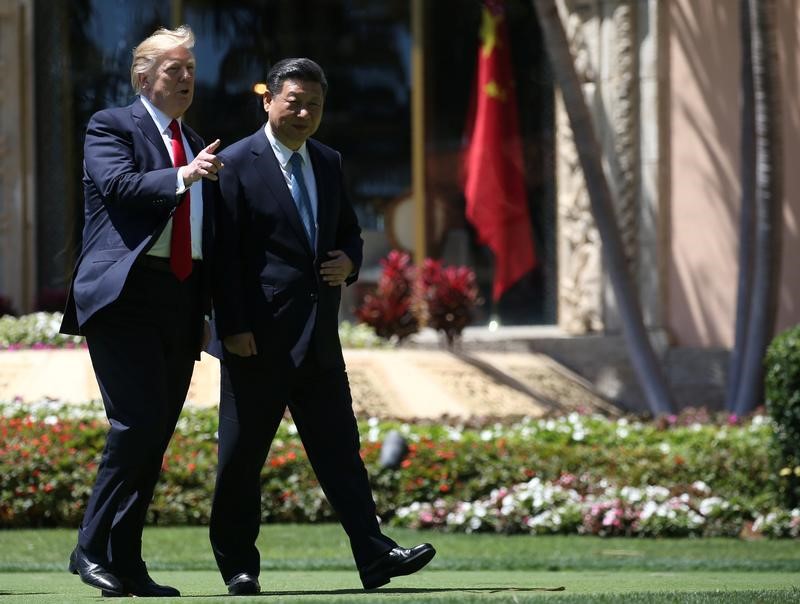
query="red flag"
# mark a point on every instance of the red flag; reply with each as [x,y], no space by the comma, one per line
[497,203]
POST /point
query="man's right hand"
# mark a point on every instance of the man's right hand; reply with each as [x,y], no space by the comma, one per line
[205,165]
[241,344]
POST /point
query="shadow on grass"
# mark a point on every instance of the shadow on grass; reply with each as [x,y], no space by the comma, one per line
[406,590]
[397,591]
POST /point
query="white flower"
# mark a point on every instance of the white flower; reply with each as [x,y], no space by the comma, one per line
[664,448]
[695,519]
[650,508]
[656,493]
[453,433]
[631,494]
[711,504]
[373,421]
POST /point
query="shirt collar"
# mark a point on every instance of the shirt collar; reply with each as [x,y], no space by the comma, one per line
[161,119]
[282,152]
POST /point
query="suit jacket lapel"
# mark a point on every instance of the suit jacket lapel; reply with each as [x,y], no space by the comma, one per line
[323,177]
[268,168]
[195,142]
[148,127]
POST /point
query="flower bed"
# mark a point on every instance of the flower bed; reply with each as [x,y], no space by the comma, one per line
[582,474]
[40,331]
[37,330]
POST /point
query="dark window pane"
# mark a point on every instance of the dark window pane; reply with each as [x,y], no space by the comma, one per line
[450,62]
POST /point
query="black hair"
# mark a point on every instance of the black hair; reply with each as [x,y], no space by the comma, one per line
[301,69]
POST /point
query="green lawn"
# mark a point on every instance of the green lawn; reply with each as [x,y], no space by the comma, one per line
[305,563]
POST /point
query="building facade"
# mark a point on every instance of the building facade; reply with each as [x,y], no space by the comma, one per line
[661,77]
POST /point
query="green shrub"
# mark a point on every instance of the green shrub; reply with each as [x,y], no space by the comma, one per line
[782,386]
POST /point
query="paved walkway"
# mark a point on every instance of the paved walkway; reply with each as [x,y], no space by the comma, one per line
[399,383]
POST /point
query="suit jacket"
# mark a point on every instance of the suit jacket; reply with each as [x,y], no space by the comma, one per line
[267,277]
[129,193]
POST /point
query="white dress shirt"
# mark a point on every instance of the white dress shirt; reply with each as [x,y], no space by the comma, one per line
[283,155]
[162,245]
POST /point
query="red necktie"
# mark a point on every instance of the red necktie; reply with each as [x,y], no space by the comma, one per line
[180,251]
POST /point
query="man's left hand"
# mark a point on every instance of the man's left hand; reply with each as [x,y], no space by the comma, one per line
[336,271]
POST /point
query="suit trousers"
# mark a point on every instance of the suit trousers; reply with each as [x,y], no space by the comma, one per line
[255,392]
[143,347]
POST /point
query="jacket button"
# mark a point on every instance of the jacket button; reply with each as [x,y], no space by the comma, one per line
[314,296]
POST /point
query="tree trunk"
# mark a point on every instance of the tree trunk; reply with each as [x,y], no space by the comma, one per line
[768,192]
[747,170]
[642,356]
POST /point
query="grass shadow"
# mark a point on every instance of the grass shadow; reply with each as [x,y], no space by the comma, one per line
[406,591]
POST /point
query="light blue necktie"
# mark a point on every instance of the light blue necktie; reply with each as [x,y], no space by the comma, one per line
[301,198]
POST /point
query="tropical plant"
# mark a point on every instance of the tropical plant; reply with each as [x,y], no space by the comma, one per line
[763,291]
[450,294]
[390,309]
[642,356]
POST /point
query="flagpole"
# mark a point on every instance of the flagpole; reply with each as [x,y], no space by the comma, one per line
[176,12]
[418,127]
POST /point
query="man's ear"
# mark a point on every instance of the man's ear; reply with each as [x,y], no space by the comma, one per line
[267,100]
[142,81]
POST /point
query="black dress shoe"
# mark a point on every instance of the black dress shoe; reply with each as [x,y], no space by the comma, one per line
[244,584]
[94,574]
[394,563]
[143,586]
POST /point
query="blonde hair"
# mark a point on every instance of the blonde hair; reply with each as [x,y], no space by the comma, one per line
[146,54]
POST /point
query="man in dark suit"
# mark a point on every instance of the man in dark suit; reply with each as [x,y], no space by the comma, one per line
[139,292]
[287,240]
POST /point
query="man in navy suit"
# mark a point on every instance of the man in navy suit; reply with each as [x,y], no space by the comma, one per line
[287,240]
[139,293]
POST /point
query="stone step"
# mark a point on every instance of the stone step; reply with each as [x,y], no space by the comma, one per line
[396,383]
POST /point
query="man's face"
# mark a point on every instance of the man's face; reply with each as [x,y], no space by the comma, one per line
[170,83]
[295,112]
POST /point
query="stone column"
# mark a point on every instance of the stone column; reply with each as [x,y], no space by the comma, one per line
[580,301]
[615,45]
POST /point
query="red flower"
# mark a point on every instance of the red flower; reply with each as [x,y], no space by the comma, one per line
[390,310]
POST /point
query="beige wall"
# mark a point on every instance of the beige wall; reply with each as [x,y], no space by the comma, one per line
[704,165]
[789,48]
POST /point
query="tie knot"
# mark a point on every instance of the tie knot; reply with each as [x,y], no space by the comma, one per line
[296,160]
[175,129]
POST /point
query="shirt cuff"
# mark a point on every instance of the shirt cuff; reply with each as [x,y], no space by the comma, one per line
[181,188]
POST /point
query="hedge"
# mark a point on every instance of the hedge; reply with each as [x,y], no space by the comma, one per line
[49,454]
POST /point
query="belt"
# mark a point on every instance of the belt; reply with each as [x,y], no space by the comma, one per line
[158,263]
